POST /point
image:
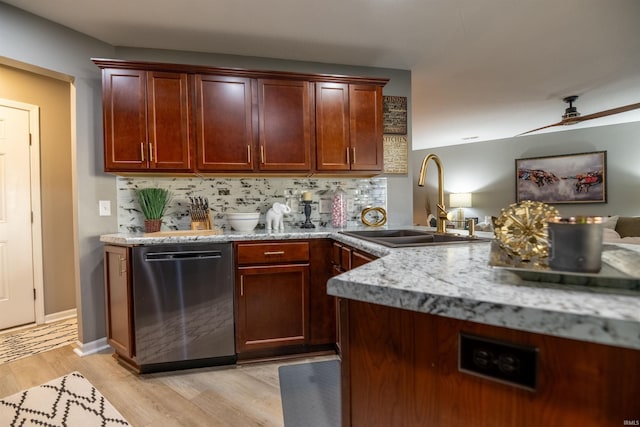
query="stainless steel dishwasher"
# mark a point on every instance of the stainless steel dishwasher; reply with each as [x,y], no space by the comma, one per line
[183,305]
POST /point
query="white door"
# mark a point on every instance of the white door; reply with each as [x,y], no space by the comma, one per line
[16,252]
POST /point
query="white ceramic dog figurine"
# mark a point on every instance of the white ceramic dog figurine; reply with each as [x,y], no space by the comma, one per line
[275,216]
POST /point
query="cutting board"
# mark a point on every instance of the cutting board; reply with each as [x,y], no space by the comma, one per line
[176,233]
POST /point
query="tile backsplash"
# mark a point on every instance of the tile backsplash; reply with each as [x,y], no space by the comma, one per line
[248,195]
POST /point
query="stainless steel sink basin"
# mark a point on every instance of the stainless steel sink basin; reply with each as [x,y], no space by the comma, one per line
[406,237]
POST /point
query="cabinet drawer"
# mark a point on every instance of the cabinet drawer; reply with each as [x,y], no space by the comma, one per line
[272,253]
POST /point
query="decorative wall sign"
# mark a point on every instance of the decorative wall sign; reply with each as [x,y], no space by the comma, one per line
[395,115]
[571,178]
[395,155]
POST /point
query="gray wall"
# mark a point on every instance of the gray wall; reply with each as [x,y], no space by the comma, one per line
[40,43]
[41,46]
[487,169]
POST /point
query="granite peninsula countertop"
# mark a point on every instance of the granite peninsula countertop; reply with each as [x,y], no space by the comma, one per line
[456,281]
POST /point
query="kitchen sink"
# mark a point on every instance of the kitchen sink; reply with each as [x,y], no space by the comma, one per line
[406,237]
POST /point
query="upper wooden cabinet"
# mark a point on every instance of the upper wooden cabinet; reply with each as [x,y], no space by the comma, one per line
[160,117]
[224,123]
[147,121]
[332,127]
[284,115]
[349,127]
[365,127]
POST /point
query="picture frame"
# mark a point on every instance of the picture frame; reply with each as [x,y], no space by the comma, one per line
[568,178]
[394,115]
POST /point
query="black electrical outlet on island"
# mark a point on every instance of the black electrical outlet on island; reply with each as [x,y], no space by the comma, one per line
[497,360]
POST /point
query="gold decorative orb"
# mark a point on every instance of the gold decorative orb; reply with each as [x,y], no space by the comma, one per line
[521,230]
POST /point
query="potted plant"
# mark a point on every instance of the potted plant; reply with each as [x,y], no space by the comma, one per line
[153,202]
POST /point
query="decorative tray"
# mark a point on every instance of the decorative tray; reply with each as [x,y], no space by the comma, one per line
[620,270]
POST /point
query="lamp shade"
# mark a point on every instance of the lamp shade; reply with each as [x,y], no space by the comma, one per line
[460,200]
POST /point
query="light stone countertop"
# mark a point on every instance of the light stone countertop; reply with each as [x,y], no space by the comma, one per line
[456,281]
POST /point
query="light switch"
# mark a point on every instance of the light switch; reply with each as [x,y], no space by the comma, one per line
[104,207]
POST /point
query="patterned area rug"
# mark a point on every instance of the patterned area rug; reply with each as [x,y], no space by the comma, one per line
[25,343]
[69,401]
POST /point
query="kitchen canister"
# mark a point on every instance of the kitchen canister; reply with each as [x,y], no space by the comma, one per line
[339,209]
[575,244]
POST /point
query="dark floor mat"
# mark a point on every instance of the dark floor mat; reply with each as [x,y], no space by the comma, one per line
[311,394]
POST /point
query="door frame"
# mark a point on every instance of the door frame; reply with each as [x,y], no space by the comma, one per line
[36,223]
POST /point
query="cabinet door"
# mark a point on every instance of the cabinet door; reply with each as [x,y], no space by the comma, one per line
[225,131]
[271,307]
[365,130]
[169,121]
[358,258]
[119,307]
[332,126]
[285,125]
[125,119]
[322,315]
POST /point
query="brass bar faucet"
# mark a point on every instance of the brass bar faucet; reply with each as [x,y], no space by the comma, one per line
[441,220]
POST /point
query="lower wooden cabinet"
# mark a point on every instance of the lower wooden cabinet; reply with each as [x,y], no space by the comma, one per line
[282,305]
[118,298]
[344,258]
[271,306]
[272,297]
[322,310]
[281,301]
[401,368]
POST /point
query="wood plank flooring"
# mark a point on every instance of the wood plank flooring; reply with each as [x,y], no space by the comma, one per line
[243,395]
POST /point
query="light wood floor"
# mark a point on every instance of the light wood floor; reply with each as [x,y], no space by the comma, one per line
[244,395]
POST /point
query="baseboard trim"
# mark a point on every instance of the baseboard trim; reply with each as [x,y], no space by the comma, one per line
[61,315]
[93,347]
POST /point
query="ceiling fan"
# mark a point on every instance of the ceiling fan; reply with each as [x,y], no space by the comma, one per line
[571,115]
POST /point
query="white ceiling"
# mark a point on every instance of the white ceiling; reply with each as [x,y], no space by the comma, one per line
[480,68]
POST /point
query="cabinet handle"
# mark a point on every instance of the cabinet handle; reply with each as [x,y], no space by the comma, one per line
[274,253]
[354,155]
[241,286]
[348,157]
[122,266]
[151,152]
[262,154]
[142,150]
[249,154]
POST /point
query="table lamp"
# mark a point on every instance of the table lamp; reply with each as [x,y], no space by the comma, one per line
[460,201]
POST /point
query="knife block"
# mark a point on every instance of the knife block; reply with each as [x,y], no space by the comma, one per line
[201,225]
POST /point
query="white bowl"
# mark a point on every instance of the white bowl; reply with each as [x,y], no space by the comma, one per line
[240,221]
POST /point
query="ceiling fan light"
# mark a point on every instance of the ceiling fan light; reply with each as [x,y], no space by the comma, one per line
[570,113]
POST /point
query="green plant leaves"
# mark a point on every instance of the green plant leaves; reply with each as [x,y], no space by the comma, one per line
[153,201]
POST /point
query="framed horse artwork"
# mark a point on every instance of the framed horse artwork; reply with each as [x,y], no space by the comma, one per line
[569,178]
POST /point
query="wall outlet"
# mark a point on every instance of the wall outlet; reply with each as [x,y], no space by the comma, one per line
[498,360]
[325,205]
[351,205]
[104,207]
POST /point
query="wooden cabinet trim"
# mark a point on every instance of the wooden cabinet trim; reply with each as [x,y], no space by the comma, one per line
[236,72]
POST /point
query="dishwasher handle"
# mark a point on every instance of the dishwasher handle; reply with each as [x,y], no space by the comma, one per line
[181,256]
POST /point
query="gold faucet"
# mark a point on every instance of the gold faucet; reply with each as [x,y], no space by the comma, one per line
[442,213]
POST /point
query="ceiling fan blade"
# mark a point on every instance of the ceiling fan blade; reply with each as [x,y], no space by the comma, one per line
[607,112]
[543,127]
